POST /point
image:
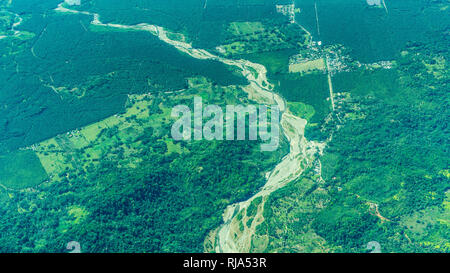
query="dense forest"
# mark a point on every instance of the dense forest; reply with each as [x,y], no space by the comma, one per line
[204,22]
[66,76]
[380,32]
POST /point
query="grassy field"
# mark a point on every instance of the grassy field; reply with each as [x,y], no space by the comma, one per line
[418,223]
[256,37]
[21,169]
[245,28]
[302,110]
[307,66]
[89,145]
[274,61]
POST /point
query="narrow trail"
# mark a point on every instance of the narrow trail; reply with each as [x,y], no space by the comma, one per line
[317,19]
[385,7]
[301,155]
[330,85]
[376,211]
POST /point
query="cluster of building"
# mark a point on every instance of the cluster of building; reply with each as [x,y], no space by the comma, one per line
[377,65]
[73,2]
[304,57]
[288,10]
[374,3]
[338,60]
[337,64]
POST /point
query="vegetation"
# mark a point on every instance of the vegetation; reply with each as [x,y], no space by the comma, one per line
[302,110]
[311,89]
[314,65]
[123,185]
[69,76]
[85,117]
[379,34]
[14,174]
[399,149]
[384,173]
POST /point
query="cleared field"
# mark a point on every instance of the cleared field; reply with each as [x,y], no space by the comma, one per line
[307,66]
[245,28]
[301,110]
[91,144]
[121,138]
[274,61]
[21,169]
[249,38]
[53,162]
[417,224]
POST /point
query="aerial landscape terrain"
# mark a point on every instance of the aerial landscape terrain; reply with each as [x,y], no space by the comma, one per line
[87,152]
